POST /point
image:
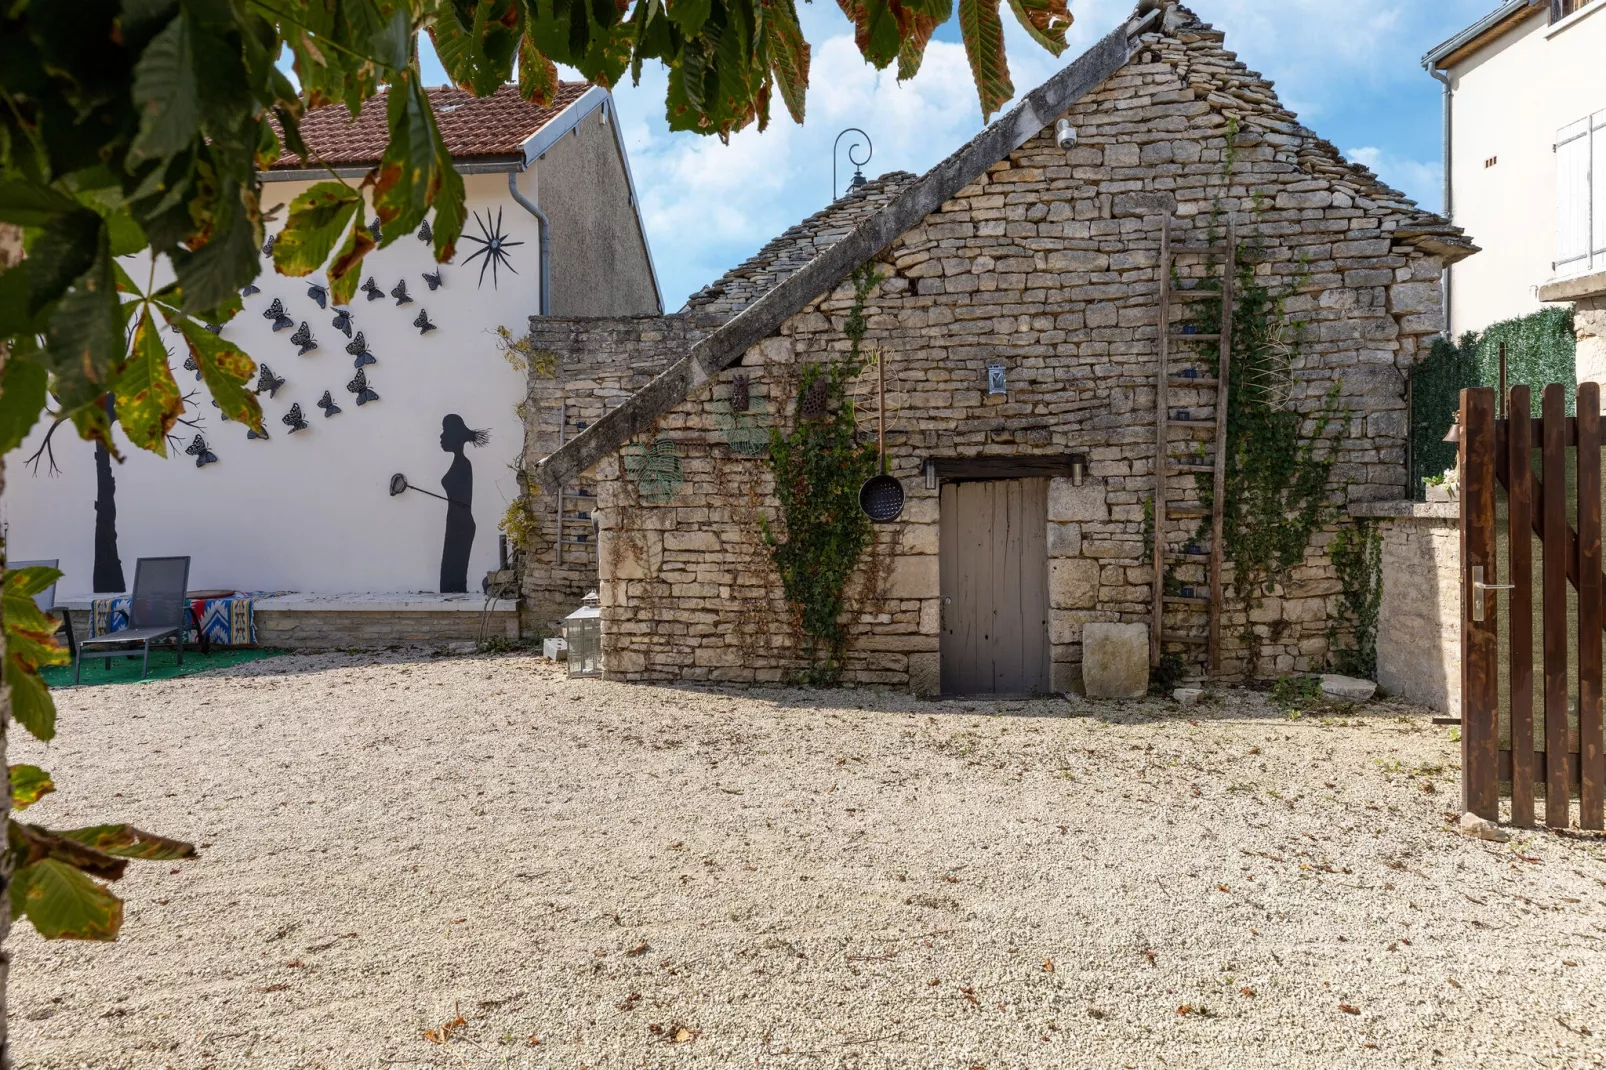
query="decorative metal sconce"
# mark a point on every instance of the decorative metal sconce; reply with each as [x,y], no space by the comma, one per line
[1078,469]
[931,475]
[858,178]
[995,380]
[741,394]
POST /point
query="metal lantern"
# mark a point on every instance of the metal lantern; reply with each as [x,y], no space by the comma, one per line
[582,630]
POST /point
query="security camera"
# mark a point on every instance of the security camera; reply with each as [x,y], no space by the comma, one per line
[1065,135]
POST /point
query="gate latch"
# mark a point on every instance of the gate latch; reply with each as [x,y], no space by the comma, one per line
[1479,587]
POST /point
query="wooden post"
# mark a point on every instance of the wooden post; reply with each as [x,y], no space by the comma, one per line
[1479,676]
[1519,463]
[1558,793]
[1229,281]
[563,426]
[1590,768]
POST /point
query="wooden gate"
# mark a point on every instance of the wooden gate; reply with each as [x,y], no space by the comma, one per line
[994,585]
[1531,529]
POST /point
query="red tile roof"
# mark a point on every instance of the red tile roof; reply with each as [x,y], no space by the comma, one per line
[471,126]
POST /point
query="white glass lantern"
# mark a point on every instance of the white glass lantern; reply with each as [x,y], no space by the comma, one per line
[582,629]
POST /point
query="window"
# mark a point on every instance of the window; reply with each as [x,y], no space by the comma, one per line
[1581,197]
[1560,9]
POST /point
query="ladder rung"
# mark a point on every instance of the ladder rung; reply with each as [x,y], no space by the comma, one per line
[1181,336]
[1169,637]
[1187,557]
[1195,247]
[1194,295]
[1186,513]
[1180,600]
[1174,467]
[1202,384]
[1192,423]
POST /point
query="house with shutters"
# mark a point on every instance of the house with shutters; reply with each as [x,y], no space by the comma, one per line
[1525,166]
[410,379]
[1039,306]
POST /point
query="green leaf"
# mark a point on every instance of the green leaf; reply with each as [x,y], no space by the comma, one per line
[450,209]
[61,251]
[32,204]
[166,94]
[226,369]
[148,400]
[31,705]
[126,841]
[788,53]
[30,643]
[1045,20]
[29,784]
[478,52]
[65,904]
[317,219]
[345,270]
[14,316]
[538,75]
[407,171]
[86,330]
[690,15]
[926,18]
[983,34]
[22,399]
[212,274]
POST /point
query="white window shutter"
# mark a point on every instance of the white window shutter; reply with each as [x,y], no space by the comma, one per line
[1573,231]
[1597,200]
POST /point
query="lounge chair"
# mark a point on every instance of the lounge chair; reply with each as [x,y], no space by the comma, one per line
[157,611]
[46,600]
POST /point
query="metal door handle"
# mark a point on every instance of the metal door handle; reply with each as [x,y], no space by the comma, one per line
[1479,587]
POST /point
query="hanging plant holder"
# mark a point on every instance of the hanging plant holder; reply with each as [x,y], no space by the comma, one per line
[741,394]
[656,469]
[881,496]
[816,401]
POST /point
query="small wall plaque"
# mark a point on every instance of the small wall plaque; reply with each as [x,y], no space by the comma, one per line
[995,379]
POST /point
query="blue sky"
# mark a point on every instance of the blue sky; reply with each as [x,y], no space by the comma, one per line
[1351,69]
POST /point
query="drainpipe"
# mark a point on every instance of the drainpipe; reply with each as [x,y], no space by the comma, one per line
[1449,189]
[546,240]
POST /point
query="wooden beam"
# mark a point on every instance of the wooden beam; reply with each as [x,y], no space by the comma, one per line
[959,469]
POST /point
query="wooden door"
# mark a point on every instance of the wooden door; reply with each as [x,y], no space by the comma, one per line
[994,565]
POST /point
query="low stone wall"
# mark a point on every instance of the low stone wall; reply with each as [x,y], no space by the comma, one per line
[1419,624]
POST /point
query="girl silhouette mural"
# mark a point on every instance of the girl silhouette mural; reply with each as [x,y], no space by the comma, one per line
[458,483]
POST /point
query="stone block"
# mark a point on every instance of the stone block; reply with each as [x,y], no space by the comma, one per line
[1064,540]
[1073,583]
[925,674]
[913,576]
[1115,660]
[1087,503]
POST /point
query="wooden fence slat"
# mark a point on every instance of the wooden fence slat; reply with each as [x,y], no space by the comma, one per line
[1520,496]
[1480,681]
[1590,809]
[1558,800]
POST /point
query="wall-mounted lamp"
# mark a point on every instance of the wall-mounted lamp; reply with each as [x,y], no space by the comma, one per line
[1078,469]
[1065,135]
[931,475]
[995,379]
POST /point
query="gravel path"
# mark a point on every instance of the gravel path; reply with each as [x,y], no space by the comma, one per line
[600,875]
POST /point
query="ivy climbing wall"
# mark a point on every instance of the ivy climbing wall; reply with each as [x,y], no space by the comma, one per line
[1045,268]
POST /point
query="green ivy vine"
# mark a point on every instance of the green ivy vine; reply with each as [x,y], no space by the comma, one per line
[1357,555]
[819,466]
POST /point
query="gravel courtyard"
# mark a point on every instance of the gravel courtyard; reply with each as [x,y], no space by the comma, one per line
[477,862]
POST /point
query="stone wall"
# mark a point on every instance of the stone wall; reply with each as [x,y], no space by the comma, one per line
[1419,624]
[369,630]
[584,368]
[1047,265]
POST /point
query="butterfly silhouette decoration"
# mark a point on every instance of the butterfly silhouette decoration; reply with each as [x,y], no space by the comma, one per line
[342,321]
[495,246]
[374,231]
[215,328]
[327,404]
[371,288]
[267,246]
[251,288]
[199,451]
[424,233]
[275,312]
[433,278]
[422,322]
[303,338]
[262,434]
[358,348]
[190,365]
[266,380]
[399,292]
[359,386]
[294,420]
[319,294]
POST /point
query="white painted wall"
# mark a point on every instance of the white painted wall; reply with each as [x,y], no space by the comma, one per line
[1510,100]
[311,511]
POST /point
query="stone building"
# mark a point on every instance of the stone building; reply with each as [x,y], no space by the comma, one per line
[1018,258]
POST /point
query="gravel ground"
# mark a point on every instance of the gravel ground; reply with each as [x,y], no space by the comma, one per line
[582,874]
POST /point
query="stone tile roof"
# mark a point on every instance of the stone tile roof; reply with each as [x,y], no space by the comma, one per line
[797,245]
[471,126]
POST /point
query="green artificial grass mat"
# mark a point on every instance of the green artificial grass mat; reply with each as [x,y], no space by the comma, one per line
[164,666]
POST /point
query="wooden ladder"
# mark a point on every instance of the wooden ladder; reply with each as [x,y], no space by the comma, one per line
[1165,465]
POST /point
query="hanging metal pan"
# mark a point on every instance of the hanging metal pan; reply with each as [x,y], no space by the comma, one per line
[881,497]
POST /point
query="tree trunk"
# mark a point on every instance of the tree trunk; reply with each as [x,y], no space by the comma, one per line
[108,572]
[10,253]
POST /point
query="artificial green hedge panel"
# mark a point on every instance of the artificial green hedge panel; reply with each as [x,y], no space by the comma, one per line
[1539,350]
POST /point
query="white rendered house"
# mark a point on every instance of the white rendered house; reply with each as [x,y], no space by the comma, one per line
[553,228]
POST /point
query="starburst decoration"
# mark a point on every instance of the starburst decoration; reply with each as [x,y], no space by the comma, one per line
[495,245]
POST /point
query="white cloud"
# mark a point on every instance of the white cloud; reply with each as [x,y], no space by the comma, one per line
[1422,181]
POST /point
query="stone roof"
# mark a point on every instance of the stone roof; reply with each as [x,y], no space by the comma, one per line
[497,125]
[796,246]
